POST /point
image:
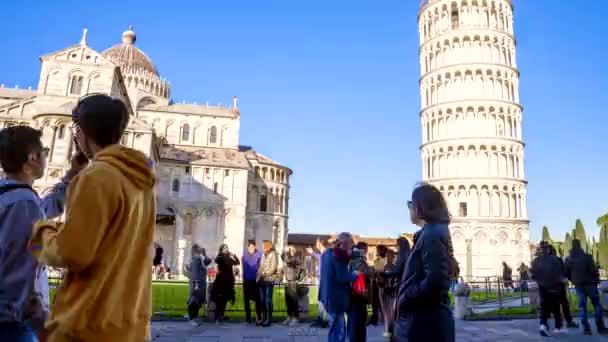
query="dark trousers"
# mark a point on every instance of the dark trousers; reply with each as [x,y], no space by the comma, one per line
[549,305]
[266,300]
[220,309]
[16,332]
[252,293]
[291,299]
[357,317]
[193,310]
[565,305]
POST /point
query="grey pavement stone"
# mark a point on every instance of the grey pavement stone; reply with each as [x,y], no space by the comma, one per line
[501,331]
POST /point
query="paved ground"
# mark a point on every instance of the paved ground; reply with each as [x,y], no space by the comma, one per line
[503,331]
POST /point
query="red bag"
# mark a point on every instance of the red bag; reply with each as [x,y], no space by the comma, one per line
[359,287]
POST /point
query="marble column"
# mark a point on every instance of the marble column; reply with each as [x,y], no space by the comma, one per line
[180,244]
[469,254]
[52,147]
[70,145]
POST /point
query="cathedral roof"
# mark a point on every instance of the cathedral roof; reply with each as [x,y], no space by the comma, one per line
[250,153]
[128,57]
[204,156]
[16,93]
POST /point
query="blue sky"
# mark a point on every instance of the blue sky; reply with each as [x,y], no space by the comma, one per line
[330,89]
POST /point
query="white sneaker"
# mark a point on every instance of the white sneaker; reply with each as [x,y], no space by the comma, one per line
[194,323]
[563,330]
[543,331]
[293,322]
[286,321]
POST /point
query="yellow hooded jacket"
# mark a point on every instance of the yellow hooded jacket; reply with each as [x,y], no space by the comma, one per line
[105,245]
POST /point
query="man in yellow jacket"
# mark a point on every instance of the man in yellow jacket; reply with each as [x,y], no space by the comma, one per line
[107,235]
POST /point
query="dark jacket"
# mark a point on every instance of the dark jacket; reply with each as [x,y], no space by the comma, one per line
[358,262]
[547,272]
[198,279]
[336,282]
[424,313]
[404,253]
[223,286]
[198,269]
[580,268]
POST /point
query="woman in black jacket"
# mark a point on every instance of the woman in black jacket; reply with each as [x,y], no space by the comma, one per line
[222,291]
[424,304]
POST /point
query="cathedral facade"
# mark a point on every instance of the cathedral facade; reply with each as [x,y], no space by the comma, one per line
[210,189]
[472,147]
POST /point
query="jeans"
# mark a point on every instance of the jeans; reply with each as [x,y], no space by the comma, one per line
[322,312]
[251,292]
[266,300]
[193,310]
[550,305]
[16,332]
[337,327]
[589,291]
[356,325]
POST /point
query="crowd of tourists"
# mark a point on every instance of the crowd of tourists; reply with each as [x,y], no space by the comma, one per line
[105,247]
[553,275]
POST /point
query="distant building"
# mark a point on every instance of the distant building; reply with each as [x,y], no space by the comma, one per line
[210,189]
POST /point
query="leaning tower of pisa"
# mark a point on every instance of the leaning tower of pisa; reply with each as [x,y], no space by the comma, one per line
[472,147]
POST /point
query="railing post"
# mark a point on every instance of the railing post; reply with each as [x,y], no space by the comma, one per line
[499,294]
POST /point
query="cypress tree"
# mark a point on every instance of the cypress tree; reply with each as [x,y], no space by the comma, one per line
[546,235]
[567,244]
[581,234]
[603,244]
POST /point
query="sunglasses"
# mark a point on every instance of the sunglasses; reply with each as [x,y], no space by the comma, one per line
[409,204]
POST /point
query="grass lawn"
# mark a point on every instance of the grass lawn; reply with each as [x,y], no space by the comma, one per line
[169,300]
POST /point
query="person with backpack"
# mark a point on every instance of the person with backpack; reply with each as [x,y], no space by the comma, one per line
[582,272]
[360,297]
[22,279]
[196,271]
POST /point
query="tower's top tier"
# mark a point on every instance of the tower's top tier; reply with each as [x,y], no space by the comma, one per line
[423,3]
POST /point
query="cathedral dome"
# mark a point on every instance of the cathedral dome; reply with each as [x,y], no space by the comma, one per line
[128,57]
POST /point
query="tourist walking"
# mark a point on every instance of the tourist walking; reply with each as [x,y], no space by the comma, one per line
[105,240]
[251,264]
[423,300]
[336,281]
[357,313]
[222,291]
[293,273]
[547,271]
[524,277]
[379,265]
[507,276]
[321,321]
[23,160]
[197,272]
[582,272]
[564,304]
[267,276]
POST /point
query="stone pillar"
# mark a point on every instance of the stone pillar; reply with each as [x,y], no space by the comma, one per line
[52,147]
[70,145]
[469,254]
[180,244]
